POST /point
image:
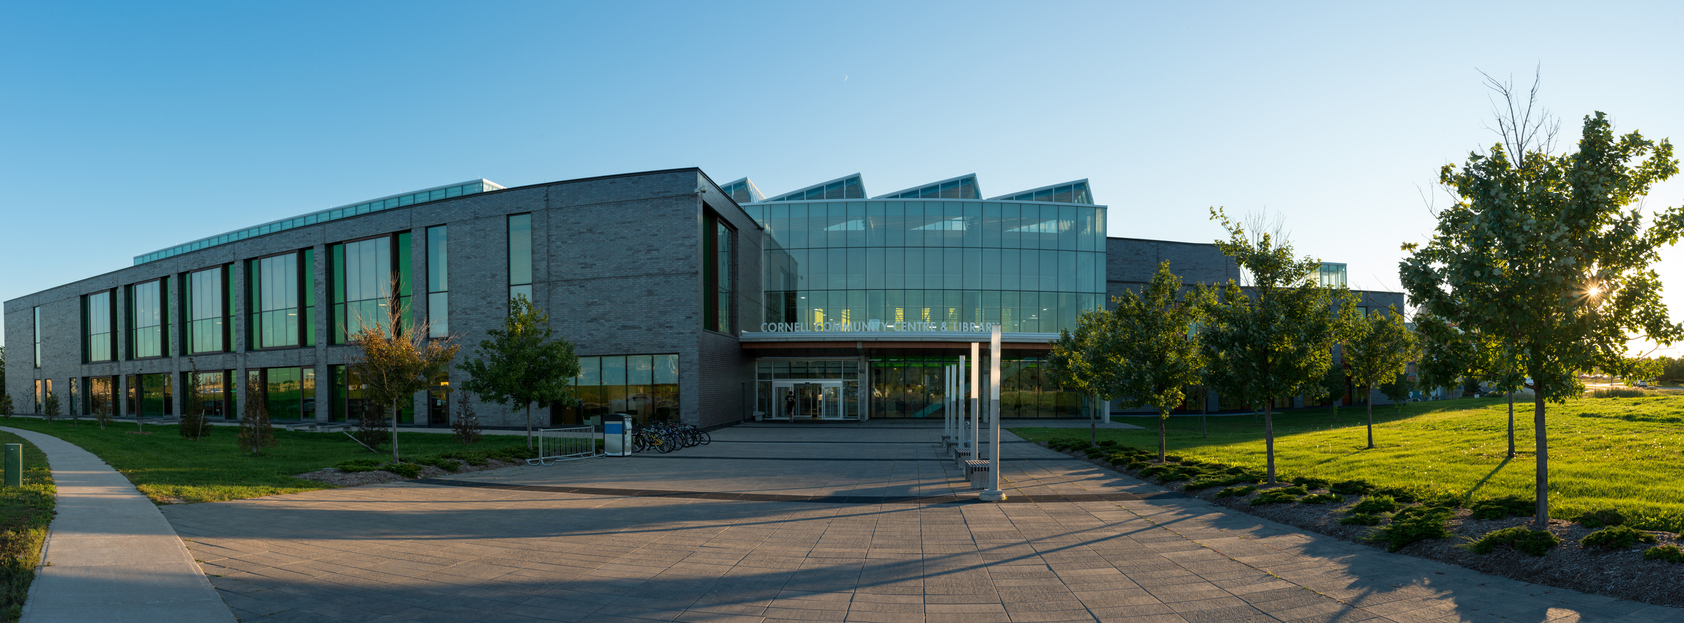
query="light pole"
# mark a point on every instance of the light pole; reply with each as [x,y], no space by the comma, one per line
[993,492]
[976,405]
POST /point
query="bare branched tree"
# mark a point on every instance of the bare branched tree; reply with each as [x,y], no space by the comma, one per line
[1523,125]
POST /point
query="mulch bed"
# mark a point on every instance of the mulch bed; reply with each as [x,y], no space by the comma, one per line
[1622,574]
[334,476]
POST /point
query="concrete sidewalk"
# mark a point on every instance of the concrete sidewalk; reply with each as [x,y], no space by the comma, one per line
[110,555]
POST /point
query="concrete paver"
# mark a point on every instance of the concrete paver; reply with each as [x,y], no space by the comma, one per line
[591,541]
[110,555]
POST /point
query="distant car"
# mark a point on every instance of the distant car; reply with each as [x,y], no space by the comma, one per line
[1642,383]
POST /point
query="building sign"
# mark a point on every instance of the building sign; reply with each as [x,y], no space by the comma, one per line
[874,325]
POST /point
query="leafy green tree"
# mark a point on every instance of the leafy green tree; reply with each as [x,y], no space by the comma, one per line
[1397,390]
[1333,382]
[395,361]
[1551,253]
[521,365]
[194,425]
[6,407]
[1378,349]
[1277,339]
[1154,346]
[1078,362]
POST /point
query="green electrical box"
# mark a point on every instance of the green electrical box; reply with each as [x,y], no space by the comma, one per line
[14,465]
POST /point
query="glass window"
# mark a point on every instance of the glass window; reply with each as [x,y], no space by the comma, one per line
[208,310]
[520,255]
[97,329]
[37,337]
[274,301]
[147,318]
[438,282]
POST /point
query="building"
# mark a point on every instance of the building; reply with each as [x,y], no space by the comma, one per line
[685,299]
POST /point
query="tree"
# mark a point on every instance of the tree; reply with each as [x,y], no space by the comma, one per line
[1277,339]
[520,364]
[255,431]
[1549,252]
[1153,345]
[466,424]
[1078,362]
[6,408]
[1334,384]
[1378,350]
[395,362]
[100,404]
[1397,390]
[49,405]
[193,424]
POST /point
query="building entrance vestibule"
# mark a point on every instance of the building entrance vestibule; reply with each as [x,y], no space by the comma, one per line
[808,400]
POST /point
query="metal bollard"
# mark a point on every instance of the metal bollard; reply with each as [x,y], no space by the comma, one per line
[14,465]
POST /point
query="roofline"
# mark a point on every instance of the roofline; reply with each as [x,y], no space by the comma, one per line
[935,183]
[1041,188]
[818,185]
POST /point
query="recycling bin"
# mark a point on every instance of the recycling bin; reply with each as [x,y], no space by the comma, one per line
[617,434]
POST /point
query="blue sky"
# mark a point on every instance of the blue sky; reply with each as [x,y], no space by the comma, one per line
[132,127]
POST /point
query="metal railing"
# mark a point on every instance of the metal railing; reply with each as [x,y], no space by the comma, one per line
[566,444]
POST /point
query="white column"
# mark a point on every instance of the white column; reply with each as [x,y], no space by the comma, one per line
[993,492]
[966,440]
[947,394]
[976,405]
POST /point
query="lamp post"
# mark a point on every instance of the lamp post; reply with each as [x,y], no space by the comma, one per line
[993,492]
[976,405]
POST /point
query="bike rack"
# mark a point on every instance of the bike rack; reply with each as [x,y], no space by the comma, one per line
[565,444]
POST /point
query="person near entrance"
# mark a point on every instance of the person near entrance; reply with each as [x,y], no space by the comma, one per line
[789,404]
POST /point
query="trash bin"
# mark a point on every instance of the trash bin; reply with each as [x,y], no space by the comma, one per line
[978,473]
[617,434]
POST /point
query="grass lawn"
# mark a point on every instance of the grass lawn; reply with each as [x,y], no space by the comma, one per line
[25,514]
[1624,453]
[168,467]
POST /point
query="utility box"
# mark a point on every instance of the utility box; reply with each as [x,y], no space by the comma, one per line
[616,434]
[978,473]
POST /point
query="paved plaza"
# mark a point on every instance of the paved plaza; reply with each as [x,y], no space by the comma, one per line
[818,523]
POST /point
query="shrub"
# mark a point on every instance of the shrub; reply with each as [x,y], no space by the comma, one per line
[1222,479]
[358,465]
[1360,519]
[1282,495]
[1351,487]
[1521,538]
[255,431]
[1108,443]
[1401,494]
[1320,498]
[1136,465]
[1669,553]
[1232,492]
[407,470]
[1094,453]
[449,465]
[372,427]
[1309,482]
[1172,458]
[1616,537]
[466,424]
[6,408]
[1601,518]
[1407,527]
[1375,504]
[1503,507]
[1618,392]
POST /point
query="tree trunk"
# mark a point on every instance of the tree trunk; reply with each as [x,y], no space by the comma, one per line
[1093,422]
[1269,437]
[1543,460]
[395,431]
[1511,423]
[528,426]
[1371,416]
[1163,420]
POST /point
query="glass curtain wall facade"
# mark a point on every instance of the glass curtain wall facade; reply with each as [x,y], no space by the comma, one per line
[1031,267]
[644,386]
[150,396]
[99,343]
[350,398]
[148,319]
[288,393]
[520,256]
[207,308]
[281,300]
[438,281]
[369,277]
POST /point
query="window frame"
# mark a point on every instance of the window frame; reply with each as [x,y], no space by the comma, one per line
[305,287]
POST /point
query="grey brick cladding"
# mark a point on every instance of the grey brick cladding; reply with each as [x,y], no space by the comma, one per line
[616,263]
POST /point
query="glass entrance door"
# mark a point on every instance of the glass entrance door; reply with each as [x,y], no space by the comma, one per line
[816,400]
